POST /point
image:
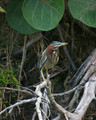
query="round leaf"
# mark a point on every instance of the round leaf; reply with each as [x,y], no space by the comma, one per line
[15,18]
[84,10]
[43,14]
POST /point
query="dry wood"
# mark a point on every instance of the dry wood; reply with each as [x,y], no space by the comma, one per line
[85,71]
[83,68]
[17,104]
[65,50]
[34,39]
[88,81]
[38,102]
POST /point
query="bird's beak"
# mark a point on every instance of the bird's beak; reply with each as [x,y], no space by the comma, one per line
[62,43]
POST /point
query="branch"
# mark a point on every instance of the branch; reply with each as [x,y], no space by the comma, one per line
[84,73]
[17,104]
[89,72]
[34,115]
[65,50]
[38,102]
[35,38]
[59,72]
[45,105]
[88,96]
[26,88]
[57,118]
[23,58]
[83,68]
[18,90]
[67,92]
[38,108]
[56,106]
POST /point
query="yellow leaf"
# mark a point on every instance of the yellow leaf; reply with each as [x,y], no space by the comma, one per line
[2,10]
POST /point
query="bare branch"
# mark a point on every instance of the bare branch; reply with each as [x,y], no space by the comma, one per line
[88,96]
[38,102]
[23,58]
[84,75]
[17,104]
[35,38]
[57,73]
[45,105]
[83,68]
[66,93]
[34,115]
[26,88]
[38,108]
[56,106]
[18,90]
[57,118]
[65,50]
[69,91]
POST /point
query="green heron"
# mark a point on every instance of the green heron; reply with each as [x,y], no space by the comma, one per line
[49,57]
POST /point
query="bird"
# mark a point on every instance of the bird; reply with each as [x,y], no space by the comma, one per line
[49,57]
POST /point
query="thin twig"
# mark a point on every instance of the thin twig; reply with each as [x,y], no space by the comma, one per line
[23,58]
[34,39]
[17,104]
[65,50]
[44,114]
[57,107]
[34,115]
[18,90]
[57,118]
[66,93]
[26,88]
[57,73]
[72,38]
[66,117]
[83,68]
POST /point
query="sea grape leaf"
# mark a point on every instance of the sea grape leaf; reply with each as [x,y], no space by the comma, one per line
[84,10]
[15,18]
[43,14]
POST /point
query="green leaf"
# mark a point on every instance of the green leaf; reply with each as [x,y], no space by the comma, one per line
[84,10]
[15,18]
[43,14]
[2,10]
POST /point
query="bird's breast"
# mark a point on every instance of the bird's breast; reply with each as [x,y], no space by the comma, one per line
[52,59]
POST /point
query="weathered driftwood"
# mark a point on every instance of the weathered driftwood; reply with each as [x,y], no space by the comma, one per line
[83,74]
[83,68]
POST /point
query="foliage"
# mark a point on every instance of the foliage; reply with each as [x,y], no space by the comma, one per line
[84,10]
[15,18]
[7,77]
[40,14]
[29,16]
[43,14]
[2,10]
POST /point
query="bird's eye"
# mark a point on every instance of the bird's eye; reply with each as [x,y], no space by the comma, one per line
[54,52]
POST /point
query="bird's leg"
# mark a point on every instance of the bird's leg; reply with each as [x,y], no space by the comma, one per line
[42,75]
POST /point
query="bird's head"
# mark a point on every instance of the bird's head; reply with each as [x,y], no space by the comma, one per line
[57,44]
[54,46]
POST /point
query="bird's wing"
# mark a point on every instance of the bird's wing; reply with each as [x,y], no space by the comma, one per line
[42,60]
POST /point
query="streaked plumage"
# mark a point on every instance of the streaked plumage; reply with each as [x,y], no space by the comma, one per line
[50,56]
